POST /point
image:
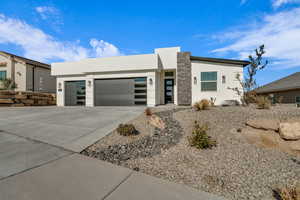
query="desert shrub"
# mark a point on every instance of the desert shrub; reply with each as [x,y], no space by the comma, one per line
[263,102]
[280,99]
[127,129]
[202,105]
[199,137]
[287,193]
[148,112]
[8,84]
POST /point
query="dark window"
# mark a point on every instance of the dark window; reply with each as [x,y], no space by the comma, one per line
[2,75]
[140,79]
[140,96]
[140,91]
[298,99]
[209,81]
[169,74]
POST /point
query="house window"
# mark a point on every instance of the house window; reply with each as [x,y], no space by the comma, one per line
[223,79]
[208,81]
[169,74]
[2,75]
[298,99]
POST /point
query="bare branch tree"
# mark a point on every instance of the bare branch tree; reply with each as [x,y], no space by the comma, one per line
[257,63]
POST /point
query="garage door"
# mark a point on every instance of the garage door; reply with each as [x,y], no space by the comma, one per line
[75,93]
[121,92]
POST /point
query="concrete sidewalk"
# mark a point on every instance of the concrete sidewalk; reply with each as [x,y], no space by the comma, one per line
[78,177]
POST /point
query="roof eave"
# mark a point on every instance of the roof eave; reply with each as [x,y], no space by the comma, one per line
[220,60]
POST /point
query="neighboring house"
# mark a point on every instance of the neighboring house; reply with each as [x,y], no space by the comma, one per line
[166,76]
[288,88]
[29,75]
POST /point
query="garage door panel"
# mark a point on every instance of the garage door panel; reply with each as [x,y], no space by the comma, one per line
[114,92]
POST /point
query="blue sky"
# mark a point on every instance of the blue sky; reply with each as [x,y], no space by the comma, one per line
[51,31]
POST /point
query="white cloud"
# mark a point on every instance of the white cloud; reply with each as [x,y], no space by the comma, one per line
[280,33]
[47,11]
[104,49]
[278,3]
[43,47]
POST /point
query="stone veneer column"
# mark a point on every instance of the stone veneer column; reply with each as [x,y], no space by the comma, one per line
[184,78]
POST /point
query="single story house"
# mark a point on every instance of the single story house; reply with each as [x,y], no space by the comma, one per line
[29,75]
[287,88]
[167,76]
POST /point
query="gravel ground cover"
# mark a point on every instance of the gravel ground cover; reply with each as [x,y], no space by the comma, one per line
[234,169]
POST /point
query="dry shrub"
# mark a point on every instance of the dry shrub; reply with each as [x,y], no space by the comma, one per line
[202,105]
[280,99]
[263,102]
[127,129]
[287,193]
[148,112]
[200,139]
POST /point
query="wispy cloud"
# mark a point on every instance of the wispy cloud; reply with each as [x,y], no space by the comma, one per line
[280,33]
[38,45]
[47,11]
[51,15]
[278,3]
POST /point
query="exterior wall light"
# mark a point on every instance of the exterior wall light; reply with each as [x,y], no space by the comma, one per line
[89,83]
[150,81]
[195,80]
[59,87]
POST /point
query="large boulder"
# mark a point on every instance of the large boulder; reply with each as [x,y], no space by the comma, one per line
[289,130]
[264,124]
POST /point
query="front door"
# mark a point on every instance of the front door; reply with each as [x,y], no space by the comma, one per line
[169,91]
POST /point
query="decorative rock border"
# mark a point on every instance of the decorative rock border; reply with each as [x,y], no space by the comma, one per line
[147,146]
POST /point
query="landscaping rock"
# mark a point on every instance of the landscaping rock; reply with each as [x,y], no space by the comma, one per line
[290,130]
[157,122]
[264,124]
[295,145]
[146,147]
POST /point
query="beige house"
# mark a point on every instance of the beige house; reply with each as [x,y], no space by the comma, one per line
[29,75]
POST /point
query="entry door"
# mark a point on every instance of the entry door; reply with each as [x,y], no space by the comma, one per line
[169,91]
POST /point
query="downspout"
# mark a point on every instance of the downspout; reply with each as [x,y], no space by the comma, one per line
[33,67]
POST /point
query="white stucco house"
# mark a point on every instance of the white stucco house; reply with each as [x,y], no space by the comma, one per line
[168,76]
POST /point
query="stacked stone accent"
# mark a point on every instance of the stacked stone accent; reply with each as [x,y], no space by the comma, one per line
[19,99]
[184,78]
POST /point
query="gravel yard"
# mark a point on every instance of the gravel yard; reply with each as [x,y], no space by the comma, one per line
[234,169]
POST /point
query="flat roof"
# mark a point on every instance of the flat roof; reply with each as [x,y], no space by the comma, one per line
[221,60]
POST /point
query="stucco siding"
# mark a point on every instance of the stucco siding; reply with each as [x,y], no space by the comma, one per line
[152,98]
[20,76]
[7,67]
[222,93]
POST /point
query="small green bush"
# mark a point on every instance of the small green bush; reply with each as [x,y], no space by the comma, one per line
[127,129]
[263,102]
[200,139]
[204,104]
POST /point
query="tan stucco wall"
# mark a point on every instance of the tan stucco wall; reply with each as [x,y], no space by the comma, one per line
[20,76]
[6,68]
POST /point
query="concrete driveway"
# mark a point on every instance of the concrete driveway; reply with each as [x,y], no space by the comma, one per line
[72,128]
[34,136]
